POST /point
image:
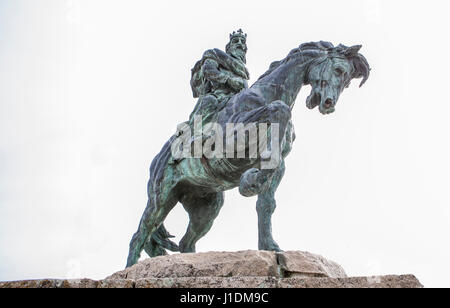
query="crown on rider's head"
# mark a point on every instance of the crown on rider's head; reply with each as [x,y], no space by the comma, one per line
[238,33]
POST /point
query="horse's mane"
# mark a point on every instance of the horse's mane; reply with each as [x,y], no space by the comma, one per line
[322,49]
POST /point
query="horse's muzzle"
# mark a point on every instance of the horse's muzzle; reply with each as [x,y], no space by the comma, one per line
[328,103]
[313,100]
[327,106]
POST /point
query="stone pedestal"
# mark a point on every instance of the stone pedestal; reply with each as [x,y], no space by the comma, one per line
[245,269]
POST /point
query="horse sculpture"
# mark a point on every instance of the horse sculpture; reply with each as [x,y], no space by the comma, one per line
[199,183]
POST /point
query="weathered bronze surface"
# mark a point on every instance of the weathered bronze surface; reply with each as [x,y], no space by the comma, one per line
[219,80]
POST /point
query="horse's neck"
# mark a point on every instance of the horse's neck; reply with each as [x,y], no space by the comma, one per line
[283,83]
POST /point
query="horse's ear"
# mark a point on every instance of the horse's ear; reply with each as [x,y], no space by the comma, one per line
[360,64]
[353,51]
[362,68]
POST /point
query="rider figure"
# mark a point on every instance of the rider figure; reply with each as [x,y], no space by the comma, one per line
[218,76]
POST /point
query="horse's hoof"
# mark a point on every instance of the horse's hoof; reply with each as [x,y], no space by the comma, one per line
[132,260]
[270,247]
[252,183]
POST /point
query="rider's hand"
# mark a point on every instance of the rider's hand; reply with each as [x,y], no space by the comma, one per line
[236,83]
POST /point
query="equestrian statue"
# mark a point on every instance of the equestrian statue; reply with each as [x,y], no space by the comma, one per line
[226,104]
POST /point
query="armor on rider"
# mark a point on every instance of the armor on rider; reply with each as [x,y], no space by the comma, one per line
[218,76]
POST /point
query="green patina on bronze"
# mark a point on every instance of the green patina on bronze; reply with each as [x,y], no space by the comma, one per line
[219,80]
[218,76]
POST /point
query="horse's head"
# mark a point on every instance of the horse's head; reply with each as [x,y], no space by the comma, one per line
[331,72]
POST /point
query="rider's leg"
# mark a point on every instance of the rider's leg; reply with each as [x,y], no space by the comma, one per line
[206,108]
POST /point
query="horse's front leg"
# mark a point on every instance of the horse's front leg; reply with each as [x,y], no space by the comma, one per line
[277,115]
[265,207]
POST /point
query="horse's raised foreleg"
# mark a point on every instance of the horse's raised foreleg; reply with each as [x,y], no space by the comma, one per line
[254,181]
[277,115]
[202,212]
[265,207]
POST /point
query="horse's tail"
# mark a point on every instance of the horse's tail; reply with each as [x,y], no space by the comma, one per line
[159,241]
[154,243]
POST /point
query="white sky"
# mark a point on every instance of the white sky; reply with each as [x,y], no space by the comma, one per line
[91,90]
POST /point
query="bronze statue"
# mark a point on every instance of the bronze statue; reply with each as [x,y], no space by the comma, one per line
[218,76]
[198,182]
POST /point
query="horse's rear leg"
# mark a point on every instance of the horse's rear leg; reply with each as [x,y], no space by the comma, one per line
[202,212]
[156,211]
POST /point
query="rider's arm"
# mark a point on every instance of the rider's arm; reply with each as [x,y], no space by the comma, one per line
[212,72]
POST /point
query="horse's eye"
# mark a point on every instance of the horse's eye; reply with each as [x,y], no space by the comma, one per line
[339,72]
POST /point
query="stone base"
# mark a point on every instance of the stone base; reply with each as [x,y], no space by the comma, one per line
[406,281]
[245,269]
